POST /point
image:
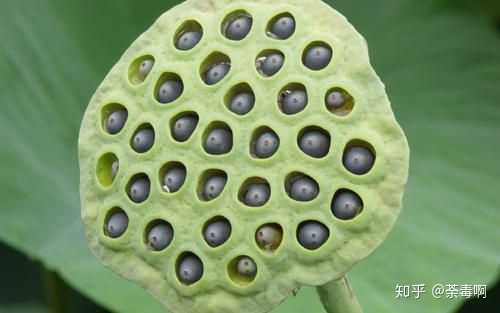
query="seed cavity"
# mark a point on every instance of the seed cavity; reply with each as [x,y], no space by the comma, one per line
[269,236]
[189,268]
[339,101]
[116,223]
[138,188]
[169,88]
[281,26]
[159,234]
[242,270]
[212,184]
[143,139]
[215,67]
[188,35]
[269,62]
[264,143]
[314,141]
[217,231]
[301,187]
[346,204]
[172,176]
[183,126]
[359,157]
[312,234]
[218,139]
[140,69]
[317,55]
[292,99]
[255,192]
[237,25]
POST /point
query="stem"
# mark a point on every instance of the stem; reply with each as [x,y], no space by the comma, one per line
[337,296]
[55,291]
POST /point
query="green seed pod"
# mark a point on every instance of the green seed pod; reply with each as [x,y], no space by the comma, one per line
[346,105]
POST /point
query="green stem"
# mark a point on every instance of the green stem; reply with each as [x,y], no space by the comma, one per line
[55,292]
[337,296]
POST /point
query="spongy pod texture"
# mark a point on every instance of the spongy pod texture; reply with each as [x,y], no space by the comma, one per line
[237,151]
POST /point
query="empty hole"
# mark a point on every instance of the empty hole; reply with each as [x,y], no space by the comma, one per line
[312,234]
[211,184]
[115,223]
[359,157]
[292,98]
[242,270]
[346,204]
[218,138]
[237,25]
[189,268]
[269,62]
[172,176]
[339,101]
[107,169]
[113,118]
[264,143]
[215,67]
[168,88]
[269,236]
[158,235]
[140,69]
[255,192]
[138,188]
[317,55]
[301,187]
[143,139]
[188,35]
[282,26]
[240,99]
[314,141]
[183,125]
[217,231]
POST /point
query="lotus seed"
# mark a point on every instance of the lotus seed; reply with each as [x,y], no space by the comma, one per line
[238,28]
[358,160]
[315,143]
[219,141]
[216,73]
[114,168]
[214,186]
[257,194]
[139,190]
[188,40]
[116,120]
[143,140]
[293,101]
[312,235]
[117,224]
[160,236]
[266,144]
[317,57]
[304,189]
[335,100]
[346,205]
[145,68]
[217,232]
[170,90]
[184,127]
[174,178]
[190,269]
[284,27]
[271,64]
[242,103]
[269,237]
[246,267]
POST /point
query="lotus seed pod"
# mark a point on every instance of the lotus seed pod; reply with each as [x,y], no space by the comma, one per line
[271,64]
[322,53]
[117,224]
[217,232]
[266,144]
[246,267]
[188,40]
[145,67]
[174,179]
[160,236]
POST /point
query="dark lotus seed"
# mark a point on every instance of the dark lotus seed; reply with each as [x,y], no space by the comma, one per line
[116,120]
[174,179]
[284,27]
[238,28]
[266,144]
[358,160]
[117,224]
[190,269]
[217,232]
[304,189]
[188,40]
[268,237]
[219,141]
[315,143]
[335,100]
[216,73]
[271,64]
[145,68]
[184,127]
[214,186]
[160,236]
[139,190]
[242,103]
[257,194]
[170,90]
[312,235]
[317,57]
[246,267]
[143,140]
[346,205]
[114,168]
[293,101]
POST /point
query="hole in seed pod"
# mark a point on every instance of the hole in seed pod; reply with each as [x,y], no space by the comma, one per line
[215,67]
[269,62]
[314,141]
[264,143]
[107,169]
[217,231]
[218,138]
[168,88]
[158,235]
[346,204]
[172,176]
[113,118]
[143,139]
[189,268]
[317,55]
[211,184]
[242,270]
[188,35]
[292,98]
[140,69]
[282,26]
[237,25]
[115,223]
[339,101]
[255,192]
[301,187]
[240,99]
[312,234]
[269,236]
[138,188]
[359,157]
[183,125]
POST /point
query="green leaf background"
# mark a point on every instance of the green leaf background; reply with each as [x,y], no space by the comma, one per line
[439,60]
